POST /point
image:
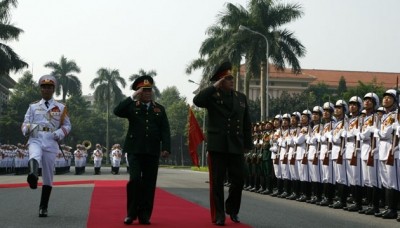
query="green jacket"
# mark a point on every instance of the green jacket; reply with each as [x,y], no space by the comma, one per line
[148,131]
[229,125]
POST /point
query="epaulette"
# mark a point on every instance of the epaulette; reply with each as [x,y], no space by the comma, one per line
[35,102]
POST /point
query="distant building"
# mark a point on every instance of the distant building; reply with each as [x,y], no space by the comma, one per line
[6,83]
[280,81]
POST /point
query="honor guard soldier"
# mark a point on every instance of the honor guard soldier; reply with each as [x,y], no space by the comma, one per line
[369,154]
[276,138]
[248,165]
[267,167]
[294,171]
[314,165]
[147,138]
[79,159]
[229,136]
[328,179]
[352,154]
[302,157]
[97,157]
[388,153]
[338,149]
[283,155]
[116,155]
[46,122]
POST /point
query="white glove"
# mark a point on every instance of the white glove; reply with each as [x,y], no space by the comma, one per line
[376,132]
[25,129]
[344,134]
[322,138]
[58,135]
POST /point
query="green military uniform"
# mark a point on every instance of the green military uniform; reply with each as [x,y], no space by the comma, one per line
[228,136]
[267,166]
[147,135]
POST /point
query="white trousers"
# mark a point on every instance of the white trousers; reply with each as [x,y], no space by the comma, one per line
[45,158]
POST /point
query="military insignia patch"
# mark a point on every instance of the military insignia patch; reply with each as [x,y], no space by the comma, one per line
[157,109]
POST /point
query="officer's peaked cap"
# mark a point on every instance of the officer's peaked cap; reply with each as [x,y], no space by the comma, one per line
[47,80]
[221,71]
[144,81]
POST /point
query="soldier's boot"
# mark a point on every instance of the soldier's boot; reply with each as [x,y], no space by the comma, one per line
[112,169]
[98,171]
[368,199]
[357,206]
[318,193]
[285,189]
[44,200]
[268,186]
[392,210]
[295,190]
[343,190]
[375,202]
[116,170]
[32,178]
[279,190]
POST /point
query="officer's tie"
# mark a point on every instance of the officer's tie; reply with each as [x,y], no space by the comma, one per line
[47,104]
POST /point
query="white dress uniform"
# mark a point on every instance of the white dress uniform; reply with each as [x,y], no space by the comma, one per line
[352,137]
[388,128]
[116,157]
[338,138]
[97,158]
[46,125]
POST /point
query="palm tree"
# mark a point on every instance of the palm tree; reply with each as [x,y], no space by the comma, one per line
[151,73]
[63,71]
[107,90]
[9,60]
[265,17]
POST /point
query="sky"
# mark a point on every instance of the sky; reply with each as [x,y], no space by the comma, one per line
[165,36]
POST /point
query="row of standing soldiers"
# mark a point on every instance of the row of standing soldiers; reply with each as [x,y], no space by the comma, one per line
[323,156]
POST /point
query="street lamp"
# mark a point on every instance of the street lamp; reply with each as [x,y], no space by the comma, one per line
[204,127]
[241,27]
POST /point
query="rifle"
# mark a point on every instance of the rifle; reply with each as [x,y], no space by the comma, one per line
[276,160]
[370,161]
[353,160]
[304,161]
[315,159]
[395,141]
[326,158]
[340,156]
[293,158]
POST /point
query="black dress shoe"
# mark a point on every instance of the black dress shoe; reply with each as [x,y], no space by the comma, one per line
[234,218]
[32,180]
[220,222]
[42,212]
[338,205]
[355,207]
[391,214]
[379,214]
[128,220]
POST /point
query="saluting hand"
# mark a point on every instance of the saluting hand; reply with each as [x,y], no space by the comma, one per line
[218,83]
[137,93]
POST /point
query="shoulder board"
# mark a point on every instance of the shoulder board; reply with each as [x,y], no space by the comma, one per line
[35,102]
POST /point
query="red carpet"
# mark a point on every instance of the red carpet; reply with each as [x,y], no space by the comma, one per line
[108,209]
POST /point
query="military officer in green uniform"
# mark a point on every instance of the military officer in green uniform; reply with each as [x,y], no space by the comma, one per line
[229,137]
[147,138]
[267,166]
